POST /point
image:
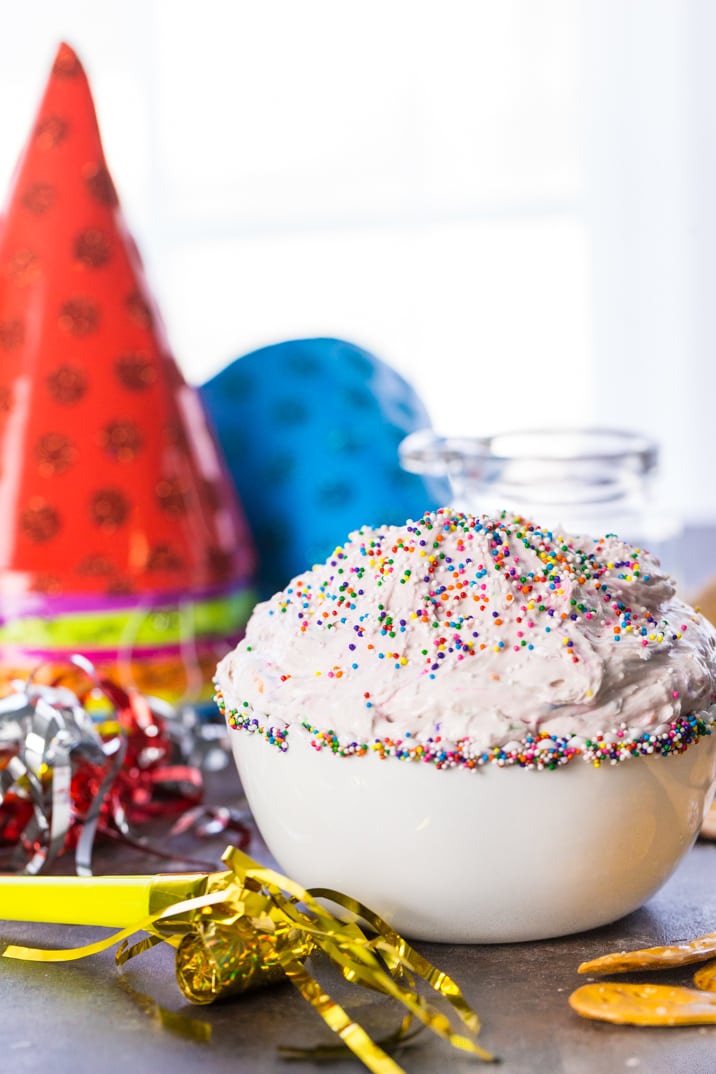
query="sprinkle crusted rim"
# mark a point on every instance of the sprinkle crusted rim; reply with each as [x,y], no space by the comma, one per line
[540,751]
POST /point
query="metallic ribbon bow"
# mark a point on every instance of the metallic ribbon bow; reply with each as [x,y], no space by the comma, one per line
[246,927]
[73,764]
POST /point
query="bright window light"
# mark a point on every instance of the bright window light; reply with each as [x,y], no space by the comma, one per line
[507,202]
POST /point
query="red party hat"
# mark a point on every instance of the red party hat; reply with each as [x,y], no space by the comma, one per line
[113,494]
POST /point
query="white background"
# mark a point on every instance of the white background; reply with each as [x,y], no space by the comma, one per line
[511,202]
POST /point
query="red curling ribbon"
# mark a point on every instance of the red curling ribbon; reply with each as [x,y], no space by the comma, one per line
[75,766]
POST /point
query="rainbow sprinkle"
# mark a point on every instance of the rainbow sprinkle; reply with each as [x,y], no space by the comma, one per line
[549,585]
[540,751]
[454,608]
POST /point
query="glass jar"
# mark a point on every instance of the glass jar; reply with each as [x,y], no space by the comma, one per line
[589,480]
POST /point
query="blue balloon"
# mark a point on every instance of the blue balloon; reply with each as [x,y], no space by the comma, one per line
[310,430]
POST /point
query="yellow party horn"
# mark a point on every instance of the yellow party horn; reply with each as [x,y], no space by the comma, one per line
[110,901]
[245,927]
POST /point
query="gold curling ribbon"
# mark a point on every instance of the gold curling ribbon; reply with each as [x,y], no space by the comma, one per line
[250,926]
[651,1004]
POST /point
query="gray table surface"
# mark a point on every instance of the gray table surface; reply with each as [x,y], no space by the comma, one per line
[77,1018]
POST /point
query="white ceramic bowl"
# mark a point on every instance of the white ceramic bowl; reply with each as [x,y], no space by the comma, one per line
[484,856]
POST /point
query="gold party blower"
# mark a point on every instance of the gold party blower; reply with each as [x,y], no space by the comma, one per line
[243,928]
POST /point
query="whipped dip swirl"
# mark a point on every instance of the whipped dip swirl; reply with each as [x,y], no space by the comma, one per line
[487,635]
